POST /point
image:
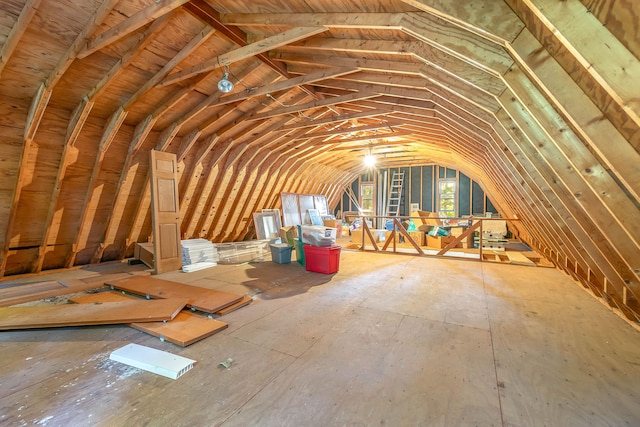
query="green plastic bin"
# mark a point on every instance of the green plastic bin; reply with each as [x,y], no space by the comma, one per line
[299,251]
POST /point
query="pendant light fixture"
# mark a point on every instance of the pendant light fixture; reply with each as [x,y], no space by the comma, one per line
[369,159]
[225,85]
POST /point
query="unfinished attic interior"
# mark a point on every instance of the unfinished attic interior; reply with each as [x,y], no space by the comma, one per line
[529,107]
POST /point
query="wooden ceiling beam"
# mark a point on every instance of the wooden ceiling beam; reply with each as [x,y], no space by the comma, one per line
[218,100]
[371,145]
[36,112]
[203,11]
[293,109]
[329,87]
[603,68]
[187,50]
[426,54]
[333,119]
[129,25]
[243,52]
[82,236]
[353,129]
[382,21]
[315,77]
[562,181]
[17,30]
[488,19]
[580,113]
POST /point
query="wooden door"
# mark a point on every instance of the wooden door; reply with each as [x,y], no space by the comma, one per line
[165,212]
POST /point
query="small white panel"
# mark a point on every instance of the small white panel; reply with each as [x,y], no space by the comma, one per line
[152,360]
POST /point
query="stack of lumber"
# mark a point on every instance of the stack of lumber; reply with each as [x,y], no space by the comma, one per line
[198,254]
[162,308]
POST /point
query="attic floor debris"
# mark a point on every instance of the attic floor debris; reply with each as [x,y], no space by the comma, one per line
[399,340]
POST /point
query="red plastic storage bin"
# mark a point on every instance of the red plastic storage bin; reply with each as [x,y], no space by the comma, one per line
[322,259]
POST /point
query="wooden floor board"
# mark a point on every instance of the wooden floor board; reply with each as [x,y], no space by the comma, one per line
[388,340]
[519,259]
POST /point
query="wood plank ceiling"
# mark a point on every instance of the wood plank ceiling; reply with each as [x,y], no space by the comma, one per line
[537,100]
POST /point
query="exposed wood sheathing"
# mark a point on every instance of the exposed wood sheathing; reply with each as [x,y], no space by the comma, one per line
[536,100]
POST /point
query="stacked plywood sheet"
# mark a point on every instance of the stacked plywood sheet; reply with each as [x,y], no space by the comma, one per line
[198,254]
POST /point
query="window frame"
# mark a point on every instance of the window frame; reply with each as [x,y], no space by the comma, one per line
[373,197]
[454,197]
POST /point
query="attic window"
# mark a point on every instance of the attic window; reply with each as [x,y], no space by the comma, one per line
[447,197]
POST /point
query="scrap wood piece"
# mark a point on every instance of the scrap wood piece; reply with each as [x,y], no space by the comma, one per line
[102,297]
[207,300]
[17,290]
[233,307]
[19,294]
[184,329]
[519,259]
[52,316]
[12,294]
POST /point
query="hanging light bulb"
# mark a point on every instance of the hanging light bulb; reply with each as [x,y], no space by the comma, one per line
[225,85]
[369,159]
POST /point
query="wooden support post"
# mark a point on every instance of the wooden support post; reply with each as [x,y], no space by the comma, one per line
[480,241]
[365,229]
[459,239]
[407,236]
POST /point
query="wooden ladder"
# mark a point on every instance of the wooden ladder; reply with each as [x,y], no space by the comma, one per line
[395,194]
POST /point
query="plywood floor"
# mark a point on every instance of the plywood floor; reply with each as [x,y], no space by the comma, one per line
[390,340]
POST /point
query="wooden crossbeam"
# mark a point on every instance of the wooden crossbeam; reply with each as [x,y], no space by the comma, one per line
[187,50]
[202,10]
[17,30]
[369,20]
[129,25]
[311,105]
[247,51]
[217,99]
[461,237]
[333,119]
[344,130]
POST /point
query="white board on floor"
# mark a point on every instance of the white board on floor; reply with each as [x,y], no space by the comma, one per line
[152,360]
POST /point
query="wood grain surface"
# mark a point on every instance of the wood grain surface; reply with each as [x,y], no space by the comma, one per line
[207,300]
[84,314]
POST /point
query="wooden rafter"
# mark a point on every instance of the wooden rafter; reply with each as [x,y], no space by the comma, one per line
[6,51]
[293,109]
[193,44]
[129,25]
[206,13]
[247,51]
[83,232]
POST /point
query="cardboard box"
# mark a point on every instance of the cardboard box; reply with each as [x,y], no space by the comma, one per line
[417,236]
[334,223]
[287,234]
[378,235]
[439,242]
